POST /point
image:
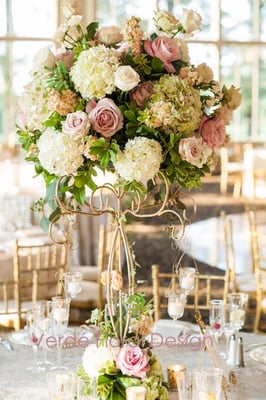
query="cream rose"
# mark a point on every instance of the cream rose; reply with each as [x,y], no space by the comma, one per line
[190,20]
[165,21]
[126,78]
[109,35]
[77,124]
[43,58]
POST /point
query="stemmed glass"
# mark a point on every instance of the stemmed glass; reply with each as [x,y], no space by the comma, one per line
[237,303]
[35,332]
[187,279]
[73,283]
[216,317]
[60,316]
[176,305]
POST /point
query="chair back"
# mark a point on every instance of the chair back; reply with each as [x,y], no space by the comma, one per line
[38,273]
[207,287]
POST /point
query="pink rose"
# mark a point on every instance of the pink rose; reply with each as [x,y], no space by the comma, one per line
[164,48]
[77,124]
[133,361]
[194,151]
[106,118]
[213,132]
[141,92]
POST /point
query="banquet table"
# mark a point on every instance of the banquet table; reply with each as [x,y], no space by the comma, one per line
[16,383]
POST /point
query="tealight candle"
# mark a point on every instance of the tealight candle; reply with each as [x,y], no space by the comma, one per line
[175,308]
[187,282]
[136,393]
[171,374]
[60,314]
[73,287]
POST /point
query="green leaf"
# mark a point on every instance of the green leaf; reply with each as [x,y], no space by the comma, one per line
[157,64]
[130,115]
[91,30]
[79,194]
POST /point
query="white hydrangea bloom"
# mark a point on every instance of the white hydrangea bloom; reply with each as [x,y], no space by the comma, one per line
[140,160]
[94,71]
[59,153]
[95,357]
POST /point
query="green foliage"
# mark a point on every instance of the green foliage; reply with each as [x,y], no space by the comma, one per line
[59,79]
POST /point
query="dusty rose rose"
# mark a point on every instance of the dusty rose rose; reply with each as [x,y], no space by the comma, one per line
[106,118]
[141,92]
[90,106]
[133,361]
[213,132]
[126,78]
[109,35]
[77,124]
[67,57]
[164,48]
[116,280]
[194,151]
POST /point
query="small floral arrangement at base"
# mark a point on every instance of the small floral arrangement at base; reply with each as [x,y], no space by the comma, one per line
[123,101]
[116,366]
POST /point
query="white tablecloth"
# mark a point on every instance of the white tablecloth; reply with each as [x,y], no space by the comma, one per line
[16,383]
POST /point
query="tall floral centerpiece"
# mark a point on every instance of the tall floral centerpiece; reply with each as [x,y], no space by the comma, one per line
[118,100]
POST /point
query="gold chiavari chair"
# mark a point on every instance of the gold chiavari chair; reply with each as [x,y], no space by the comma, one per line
[37,275]
[92,294]
[207,287]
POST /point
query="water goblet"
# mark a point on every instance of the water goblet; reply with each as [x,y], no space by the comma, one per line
[60,316]
[187,279]
[176,305]
[73,283]
[237,303]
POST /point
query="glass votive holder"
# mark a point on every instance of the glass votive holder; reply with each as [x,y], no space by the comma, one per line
[61,385]
[172,371]
[208,383]
[73,283]
[186,385]
[187,278]
[86,389]
[136,393]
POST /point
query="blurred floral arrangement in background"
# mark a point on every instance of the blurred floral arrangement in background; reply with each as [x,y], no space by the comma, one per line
[122,101]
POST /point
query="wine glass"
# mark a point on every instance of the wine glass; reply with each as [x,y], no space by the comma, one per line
[60,316]
[216,317]
[237,303]
[73,283]
[35,335]
[176,305]
[187,278]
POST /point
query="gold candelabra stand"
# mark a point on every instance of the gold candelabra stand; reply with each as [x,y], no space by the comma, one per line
[111,198]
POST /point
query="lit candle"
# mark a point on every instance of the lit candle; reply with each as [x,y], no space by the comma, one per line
[136,393]
[172,374]
[73,287]
[207,395]
[175,308]
[187,282]
[60,314]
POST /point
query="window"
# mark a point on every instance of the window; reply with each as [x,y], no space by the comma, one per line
[233,43]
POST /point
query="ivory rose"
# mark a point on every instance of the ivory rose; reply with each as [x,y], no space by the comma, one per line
[126,78]
[191,20]
[109,35]
[77,124]
[213,132]
[164,48]
[165,21]
[194,151]
[43,58]
[133,361]
[141,92]
[106,118]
